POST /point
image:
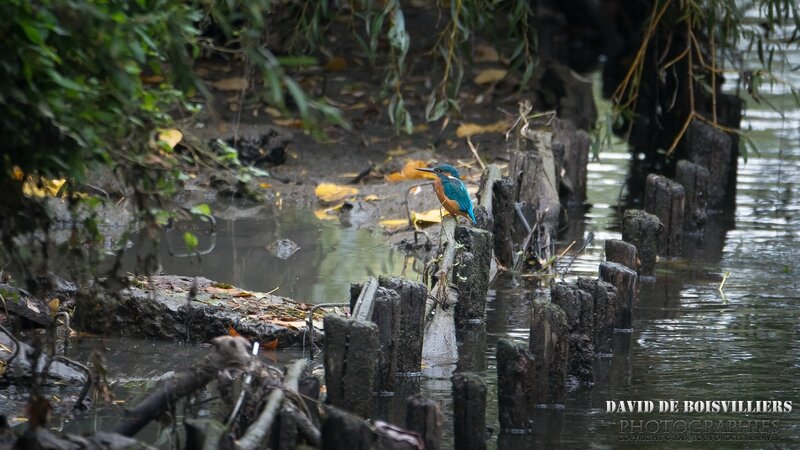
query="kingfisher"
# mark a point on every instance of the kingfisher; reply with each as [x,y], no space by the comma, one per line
[451,191]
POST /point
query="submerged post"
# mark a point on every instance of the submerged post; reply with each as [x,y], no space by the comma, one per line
[412,322]
[578,307]
[515,387]
[350,348]
[469,411]
[666,199]
[548,345]
[694,179]
[625,282]
[471,276]
[604,297]
[644,231]
[623,253]
[424,415]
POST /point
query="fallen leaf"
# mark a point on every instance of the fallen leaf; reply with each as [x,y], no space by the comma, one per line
[232,332]
[427,217]
[420,128]
[490,76]
[329,192]
[43,187]
[271,345]
[172,137]
[53,305]
[410,172]
[471,129]
[264,185]
[221,285]
[336,64]
[393,223]
[288,123]
[324,214]
[231,84]
[485,53]
[371,198]
[272,111]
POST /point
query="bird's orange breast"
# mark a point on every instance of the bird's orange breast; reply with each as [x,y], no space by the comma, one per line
[450,206]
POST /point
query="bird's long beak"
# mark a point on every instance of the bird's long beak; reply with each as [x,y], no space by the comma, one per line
[425,169]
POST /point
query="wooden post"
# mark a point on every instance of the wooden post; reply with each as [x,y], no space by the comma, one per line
[471,347]
[694,179]
[623,253]
[515,387]
[578,306]
[604,297]
[412,321]
[485,196]
[548,344]
[666,199]
[424,415]
[571,147]
[343,431]
[350,348]
[469,411]
[711,148]
[504,221]
[624,280]
[386,315]
[644,231]
[472,273]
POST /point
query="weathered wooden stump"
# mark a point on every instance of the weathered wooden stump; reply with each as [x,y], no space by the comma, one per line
[666,199]
[469,411]
[571,150]
[350,348]
[694,179]
[711,148]
[472,273]
[532,168]
[424,415]
[644,231]
[344,431]
[412,322]
[386,315]
[604,298]
[623,253]
[471,347]
[578,307]
[625,281]
[549,343]
[489,177]
[516,384]
[504,221]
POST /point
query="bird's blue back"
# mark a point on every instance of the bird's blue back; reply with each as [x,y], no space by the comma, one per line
[454,189]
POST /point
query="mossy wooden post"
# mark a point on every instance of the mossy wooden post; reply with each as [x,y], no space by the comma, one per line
[469,411]
[578,307]
[424,415]
[386,315]
[694,179]
[644,231]
[666,199]
[471,277]
[516,384]
[350,348]
[624,280]
[344,431]
[604,297]
[711,148]
[623,253]
[504,221]
[412,322]
[549,343]
[571,150]
[489,177]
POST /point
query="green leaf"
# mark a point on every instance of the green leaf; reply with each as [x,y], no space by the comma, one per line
[190,240]
[201,209]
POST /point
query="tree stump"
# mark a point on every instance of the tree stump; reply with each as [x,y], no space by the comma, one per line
[644,231]
[504,221]
[604,297]
[424,415]
[571,150]
[412,322]
[350,348]
[343,431]
[548,344]
[516,384]
[469,411]
[623,253]
[694,179]
[625,281]
[386,315]
[666,199]
[472,273]
[578,307]
[711,148]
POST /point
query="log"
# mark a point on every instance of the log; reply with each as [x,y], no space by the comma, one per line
[386,315]
[644,231]
[230,352]
[22,304]
[711,148]
[666,199]
[549,343]
[578,307]
[622,252]
[516,384]
[625,282]
[604,298]
[350,348]
[694,179]
[424,415]
[469,411]
[472,273]
[413,297]
[504,222]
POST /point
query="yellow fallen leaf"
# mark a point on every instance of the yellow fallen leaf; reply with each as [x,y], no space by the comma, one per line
[172,137]
[324,214]
[490,76]
[471,129]
[393,223]
[329,192]
[420,128]
[371,198]
[410,172]
[53,305]
[264,185]
[272,111]
[44,188]
[231,84]
[427,217]
[485,53]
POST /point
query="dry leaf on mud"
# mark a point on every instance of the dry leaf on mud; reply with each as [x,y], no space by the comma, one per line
[471,129]
[490,76]
[172,137]
[329,192]
[427,217]
[393,223]
[41,187]
[232,332]
[410,172]
[231,84]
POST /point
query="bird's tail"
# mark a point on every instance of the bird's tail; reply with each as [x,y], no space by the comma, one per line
[472,216]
